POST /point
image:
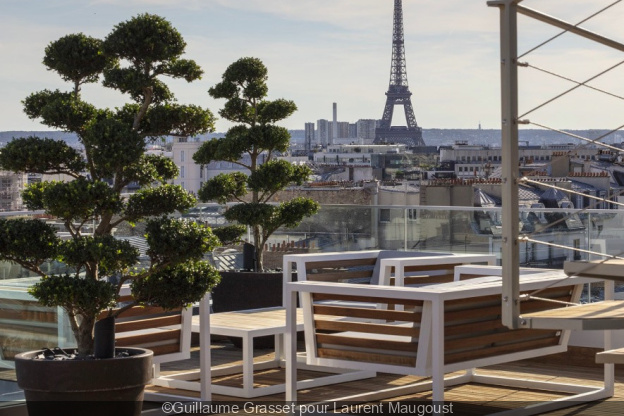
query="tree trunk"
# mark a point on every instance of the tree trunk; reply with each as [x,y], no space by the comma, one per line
[257,237]
[84,336]
[259,259]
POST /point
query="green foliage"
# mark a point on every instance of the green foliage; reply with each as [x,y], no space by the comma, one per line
[146,39]
[244,87]
[79,200]
[244,78]
[153,47]
[292,212]
[77,58]
[27,242]
[276,175]
[274,111]
[229,149]
[156,201]
[174,241]
[136,83]
[151,169]
[251,213]
[178,285]
[230,234]
[224,187]
[87,297]
[110,254]
[178,120]
[62,110]
[108,154]
[271,217]
[133,59]
[37,155]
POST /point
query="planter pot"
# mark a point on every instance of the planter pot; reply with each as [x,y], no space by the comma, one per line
[248,290]
[72,387]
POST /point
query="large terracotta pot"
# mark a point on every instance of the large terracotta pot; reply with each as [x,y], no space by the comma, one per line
[94,387]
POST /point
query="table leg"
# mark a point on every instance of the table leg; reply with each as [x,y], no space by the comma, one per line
[248,367]
[279,347]
[437,353]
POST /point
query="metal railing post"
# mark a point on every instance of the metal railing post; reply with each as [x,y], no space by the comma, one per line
[509,128]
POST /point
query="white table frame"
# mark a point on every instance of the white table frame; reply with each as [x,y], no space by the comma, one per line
[217,324]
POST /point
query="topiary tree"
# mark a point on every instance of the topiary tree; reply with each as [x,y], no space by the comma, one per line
[132,59]
[253,140]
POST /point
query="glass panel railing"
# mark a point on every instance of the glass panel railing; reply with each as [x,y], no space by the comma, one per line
[25,324]
[552,237]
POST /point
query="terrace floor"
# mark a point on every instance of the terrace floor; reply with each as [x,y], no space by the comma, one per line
[574,367]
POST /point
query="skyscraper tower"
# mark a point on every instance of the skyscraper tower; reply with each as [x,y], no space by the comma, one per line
[398,93]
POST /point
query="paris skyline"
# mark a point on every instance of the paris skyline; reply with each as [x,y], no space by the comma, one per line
[324,51]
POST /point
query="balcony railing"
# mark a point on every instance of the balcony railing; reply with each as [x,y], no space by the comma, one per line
[553,236]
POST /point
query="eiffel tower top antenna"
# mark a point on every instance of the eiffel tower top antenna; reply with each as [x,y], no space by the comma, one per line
[398,93]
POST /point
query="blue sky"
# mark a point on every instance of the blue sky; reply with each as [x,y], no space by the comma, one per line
[324,51]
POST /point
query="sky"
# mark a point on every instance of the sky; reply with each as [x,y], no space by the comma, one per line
[323,51]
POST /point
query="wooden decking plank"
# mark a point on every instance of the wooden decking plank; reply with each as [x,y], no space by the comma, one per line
[483,398]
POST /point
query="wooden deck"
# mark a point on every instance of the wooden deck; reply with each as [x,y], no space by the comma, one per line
[472,399]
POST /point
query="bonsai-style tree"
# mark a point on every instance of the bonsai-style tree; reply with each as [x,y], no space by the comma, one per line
[132,59]
[253,144]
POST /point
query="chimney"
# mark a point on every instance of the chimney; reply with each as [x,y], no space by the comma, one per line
[335,125]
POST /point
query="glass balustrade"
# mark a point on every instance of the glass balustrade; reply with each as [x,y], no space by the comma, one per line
[551,236]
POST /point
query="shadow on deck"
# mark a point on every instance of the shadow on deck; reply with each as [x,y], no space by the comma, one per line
[575,367]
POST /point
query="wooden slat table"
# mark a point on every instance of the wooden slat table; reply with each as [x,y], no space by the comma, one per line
[608,269]
[247,325]
[611,357]
[605,315]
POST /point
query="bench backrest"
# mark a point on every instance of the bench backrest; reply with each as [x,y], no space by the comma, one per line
[166,333]
[25,325]
[364,266]
[473,328]
[399,341]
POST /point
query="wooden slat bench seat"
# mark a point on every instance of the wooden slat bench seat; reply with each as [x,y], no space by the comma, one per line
[615,356]
[25,325]
[166,332]
[365,266]
[436,329]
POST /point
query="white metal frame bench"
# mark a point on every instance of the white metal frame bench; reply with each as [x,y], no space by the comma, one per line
[328,267]
[166,333]
[444,328]
[379,266]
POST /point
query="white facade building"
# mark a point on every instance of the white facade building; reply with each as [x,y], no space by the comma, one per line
[192,176]
[478,161]
[355,154]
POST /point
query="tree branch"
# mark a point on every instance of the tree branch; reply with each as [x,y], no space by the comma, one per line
[33,267]
[122,309]
[71,316]
[149,92]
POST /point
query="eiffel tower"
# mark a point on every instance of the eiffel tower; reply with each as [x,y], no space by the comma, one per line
[398,93]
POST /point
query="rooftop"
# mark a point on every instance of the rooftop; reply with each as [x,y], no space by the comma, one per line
[574,367]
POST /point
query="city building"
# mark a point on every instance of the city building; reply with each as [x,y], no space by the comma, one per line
[11,186]
[323,132]
[309,138]
[366,130]
[479,161]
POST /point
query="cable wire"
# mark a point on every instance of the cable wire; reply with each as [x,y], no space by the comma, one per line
[573,88]
[571,80]
[565,31]
[595,141]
